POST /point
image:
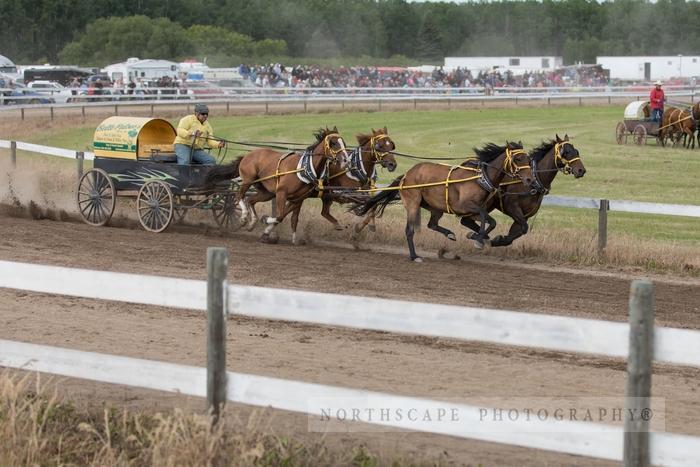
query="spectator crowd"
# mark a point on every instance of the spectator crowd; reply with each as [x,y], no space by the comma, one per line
[277,75]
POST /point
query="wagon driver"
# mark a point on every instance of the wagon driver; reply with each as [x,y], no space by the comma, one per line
[194,133]
[656,102]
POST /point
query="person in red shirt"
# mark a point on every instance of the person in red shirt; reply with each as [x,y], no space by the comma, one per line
[656,102]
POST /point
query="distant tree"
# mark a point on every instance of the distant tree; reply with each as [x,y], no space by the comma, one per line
[110,40]
[429,40]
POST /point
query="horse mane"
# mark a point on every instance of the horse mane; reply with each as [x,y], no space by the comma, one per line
[540,151]
[320,136]
[491,150]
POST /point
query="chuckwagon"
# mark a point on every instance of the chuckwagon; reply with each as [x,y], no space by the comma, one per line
[134,157]
[637,123]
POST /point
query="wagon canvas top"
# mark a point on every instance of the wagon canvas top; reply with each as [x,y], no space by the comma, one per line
[635,110]
[126,137]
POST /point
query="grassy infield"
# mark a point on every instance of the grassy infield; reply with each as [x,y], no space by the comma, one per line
[642,173]
[41,430]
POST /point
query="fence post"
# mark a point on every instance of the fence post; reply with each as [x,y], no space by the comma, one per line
[638,395]
[82,111]
[304,105]
[228,107]
[217,301]
[51,111]
[21,111]
[79,158]
[379,101]
[13,153]
[603,225]
[267,107]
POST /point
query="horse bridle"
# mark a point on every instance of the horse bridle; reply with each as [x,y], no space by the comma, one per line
[566,163]
[332,154]
[509,165]
[376,153]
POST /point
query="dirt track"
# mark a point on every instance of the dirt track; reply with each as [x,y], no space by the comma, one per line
[407,365]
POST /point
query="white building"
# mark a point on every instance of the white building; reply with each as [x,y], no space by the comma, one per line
[137,69]
[517,65]
[651,68]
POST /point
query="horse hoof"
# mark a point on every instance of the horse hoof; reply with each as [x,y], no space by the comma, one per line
[441,253]
[479,245]
[263,219]
[451,236]
[266,238]
[339,227]
[417,259]
[372,228]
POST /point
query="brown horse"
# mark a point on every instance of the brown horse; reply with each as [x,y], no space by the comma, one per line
[669,130]
[687,124]
[290,178]
[461,190]
[520,203]
[358,172]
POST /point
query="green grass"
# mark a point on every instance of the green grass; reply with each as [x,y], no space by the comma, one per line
[643,173]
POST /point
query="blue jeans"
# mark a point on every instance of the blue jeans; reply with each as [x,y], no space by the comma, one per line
[656,115]
[200,156]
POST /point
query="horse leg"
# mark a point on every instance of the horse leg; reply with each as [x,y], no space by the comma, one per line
[433,225]
[271,222]
[326,213]
[483,231]
[295,222]
[260,196]
[517,230]
[412,219]
[471,224]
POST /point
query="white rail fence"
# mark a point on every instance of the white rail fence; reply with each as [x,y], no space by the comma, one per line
[602,205]
[374,97]
[559,333]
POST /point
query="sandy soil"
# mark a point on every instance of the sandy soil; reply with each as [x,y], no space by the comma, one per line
[409,365]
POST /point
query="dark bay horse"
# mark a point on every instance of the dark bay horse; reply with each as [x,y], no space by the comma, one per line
[521,203]
[289,177]
[461,190]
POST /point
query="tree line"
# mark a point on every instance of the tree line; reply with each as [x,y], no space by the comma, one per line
[97,32]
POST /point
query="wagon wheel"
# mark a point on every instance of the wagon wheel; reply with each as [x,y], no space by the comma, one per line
[227,212]
[640,134]
[96,197]
[621,133]
[154,206]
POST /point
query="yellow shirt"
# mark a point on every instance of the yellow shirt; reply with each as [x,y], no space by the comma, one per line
[189,125]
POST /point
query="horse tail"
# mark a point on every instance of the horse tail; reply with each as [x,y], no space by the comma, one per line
[223,172]
[378,202]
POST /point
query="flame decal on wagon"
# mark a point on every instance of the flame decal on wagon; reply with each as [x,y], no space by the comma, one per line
[146,175]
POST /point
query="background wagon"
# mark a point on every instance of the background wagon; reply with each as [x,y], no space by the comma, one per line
[134,157]
[636,123]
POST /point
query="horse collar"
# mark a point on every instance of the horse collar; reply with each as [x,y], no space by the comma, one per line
[484,181]
[537,185]
[356,168]
[307,172]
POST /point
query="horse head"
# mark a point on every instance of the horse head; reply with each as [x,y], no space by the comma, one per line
[567,158]
[330,145]
[380,146]
[517,162]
